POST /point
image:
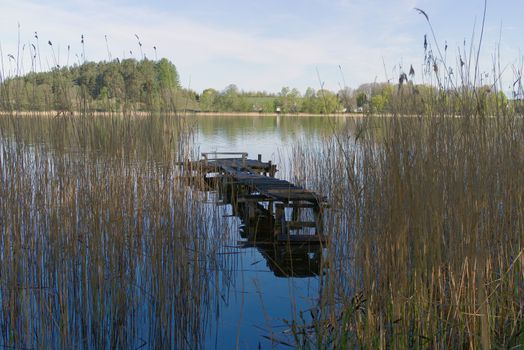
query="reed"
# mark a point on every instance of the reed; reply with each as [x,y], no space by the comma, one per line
[426,223]
[101,243]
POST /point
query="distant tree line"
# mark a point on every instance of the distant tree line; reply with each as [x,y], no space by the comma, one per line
[117,86]
[374,98]
[146,85]
[289,101]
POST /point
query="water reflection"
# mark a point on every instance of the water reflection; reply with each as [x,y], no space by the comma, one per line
[101,245]
[284,259]
[271,136]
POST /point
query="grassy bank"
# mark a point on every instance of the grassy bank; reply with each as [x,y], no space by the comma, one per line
[102,245]
[427,247]
[58,114]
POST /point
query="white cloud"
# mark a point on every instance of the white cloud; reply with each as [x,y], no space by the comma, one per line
[215,54]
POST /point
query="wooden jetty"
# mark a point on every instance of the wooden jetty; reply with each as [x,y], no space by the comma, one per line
[270,208]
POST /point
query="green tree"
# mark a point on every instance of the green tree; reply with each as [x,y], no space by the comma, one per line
[231,100]
[328,101]
[310,102]
[148,84]
[167,74]
[208,100]
[131,82]
[347,98]
[362,99]
[380,100]
[289,100]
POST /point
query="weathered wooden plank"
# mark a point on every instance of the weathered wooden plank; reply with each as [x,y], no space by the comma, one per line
[300,205]
[293,225]
[244,171]
[253,198]
[296,239]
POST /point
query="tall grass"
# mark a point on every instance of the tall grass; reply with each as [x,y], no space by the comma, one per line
[119,86]
[101,244]
[427,245]
[426,218]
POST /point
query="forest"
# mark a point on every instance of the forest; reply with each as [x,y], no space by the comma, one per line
[127,85]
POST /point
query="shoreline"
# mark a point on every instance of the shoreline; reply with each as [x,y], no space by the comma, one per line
[61,114]
[190,114]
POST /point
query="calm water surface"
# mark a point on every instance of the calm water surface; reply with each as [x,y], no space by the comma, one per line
[254,294]
[259,301]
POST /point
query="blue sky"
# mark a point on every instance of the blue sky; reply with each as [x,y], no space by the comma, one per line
[265,45]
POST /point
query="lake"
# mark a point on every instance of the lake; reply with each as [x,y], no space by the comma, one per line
[260,299]
[91,219]
[106,241]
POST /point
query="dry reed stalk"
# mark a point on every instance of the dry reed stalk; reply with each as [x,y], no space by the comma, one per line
[99,236]
[440,224]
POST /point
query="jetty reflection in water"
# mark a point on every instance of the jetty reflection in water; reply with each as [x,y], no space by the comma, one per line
[284,259]
[286,230]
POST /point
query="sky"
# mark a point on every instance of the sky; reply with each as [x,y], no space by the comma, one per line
[264,45]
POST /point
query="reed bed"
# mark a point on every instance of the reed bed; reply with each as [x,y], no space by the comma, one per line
[426,225]
[101,243]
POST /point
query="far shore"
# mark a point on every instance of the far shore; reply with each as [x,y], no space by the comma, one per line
[58,114]
[190,114]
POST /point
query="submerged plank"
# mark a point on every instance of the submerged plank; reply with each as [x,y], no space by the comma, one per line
[301,238]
